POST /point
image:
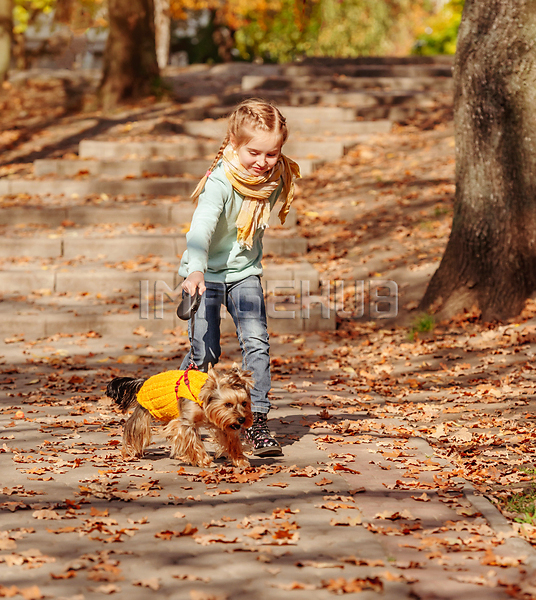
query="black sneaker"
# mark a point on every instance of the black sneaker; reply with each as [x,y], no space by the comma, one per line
[259,436]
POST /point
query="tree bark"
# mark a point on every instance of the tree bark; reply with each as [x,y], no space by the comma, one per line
[6,29]
[162,22]
[490,259]
[130,66]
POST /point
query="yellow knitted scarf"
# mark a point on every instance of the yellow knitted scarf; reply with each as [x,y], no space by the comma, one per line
[255,210]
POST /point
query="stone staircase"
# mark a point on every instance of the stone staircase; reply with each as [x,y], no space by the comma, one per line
[391,88]
[94,241]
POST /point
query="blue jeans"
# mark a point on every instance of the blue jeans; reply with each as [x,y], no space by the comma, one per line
[244,301]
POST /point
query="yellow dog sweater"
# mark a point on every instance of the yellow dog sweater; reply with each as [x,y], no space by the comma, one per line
[160,392]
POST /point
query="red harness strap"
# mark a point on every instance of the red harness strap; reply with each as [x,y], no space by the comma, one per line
[186,380]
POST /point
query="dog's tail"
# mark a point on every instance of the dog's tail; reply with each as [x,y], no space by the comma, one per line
[123,391]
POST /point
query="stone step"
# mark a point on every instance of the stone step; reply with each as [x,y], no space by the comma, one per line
[170,186]
[123,213]
[384,106]
[21,320]
[262,84]
[180,148]
[413,59]
[216,126]
[370,70]
[137,168]
[357,99]
[360,100]
[391,106]
[317,126]
[124,247]
[294,115]
[312,149]
[234,71]
[120,168]
[110,282]
[312,123]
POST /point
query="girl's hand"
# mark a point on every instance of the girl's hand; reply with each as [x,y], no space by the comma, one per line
[194,281]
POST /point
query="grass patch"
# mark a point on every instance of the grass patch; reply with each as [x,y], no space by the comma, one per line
[424,323]
[161,89]
[524,503]
[441,211]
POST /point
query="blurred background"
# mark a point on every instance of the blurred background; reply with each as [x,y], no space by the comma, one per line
[73,33]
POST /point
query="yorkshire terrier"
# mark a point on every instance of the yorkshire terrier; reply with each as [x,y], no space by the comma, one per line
[185,401]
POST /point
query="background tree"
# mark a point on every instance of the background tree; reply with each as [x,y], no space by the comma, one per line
[6,26]
[490,259]
[162,24]
[79,15]
[284,30]
[439,32]
[130,66]
[29,13]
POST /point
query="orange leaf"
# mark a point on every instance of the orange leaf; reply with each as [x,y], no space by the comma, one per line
[95,512]
[67,575]
[31,593]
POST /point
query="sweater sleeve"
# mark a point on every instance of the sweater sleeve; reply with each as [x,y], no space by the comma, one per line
[209,208]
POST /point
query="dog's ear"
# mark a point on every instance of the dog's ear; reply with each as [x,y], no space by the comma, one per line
[240,379]
[210,386]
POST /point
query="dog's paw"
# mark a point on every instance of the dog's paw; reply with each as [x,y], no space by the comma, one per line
[130,454]
[242,462]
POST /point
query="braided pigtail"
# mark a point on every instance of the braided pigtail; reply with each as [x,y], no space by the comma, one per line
[200,186]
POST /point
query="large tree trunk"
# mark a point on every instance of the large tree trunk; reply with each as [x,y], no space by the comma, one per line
[6,28]
[130,66]
[490,259]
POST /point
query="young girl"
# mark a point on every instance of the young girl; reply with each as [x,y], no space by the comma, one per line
[224,248]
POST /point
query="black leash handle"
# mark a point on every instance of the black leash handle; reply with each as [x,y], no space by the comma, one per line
[188,305]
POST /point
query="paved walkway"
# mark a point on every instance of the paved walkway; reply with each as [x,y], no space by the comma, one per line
[346,510]
[357,505]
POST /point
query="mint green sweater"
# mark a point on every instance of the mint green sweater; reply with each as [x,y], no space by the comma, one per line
[212,247]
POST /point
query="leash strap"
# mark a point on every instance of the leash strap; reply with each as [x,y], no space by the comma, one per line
[192,323]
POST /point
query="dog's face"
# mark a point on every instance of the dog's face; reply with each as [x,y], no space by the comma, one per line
[226,399]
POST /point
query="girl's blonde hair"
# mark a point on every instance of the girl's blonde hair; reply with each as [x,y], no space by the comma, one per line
[250,116]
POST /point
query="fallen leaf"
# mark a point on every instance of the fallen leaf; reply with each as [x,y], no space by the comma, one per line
[111,588]
[494,560]
[395,515]
[128,359]
[142,331]
[205,540]
[295,585]
[347,521]
[352,586]
[198,595]
[422,498]
[46,514]
[31,593]
[319,565]
[153,583]
[66,575]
